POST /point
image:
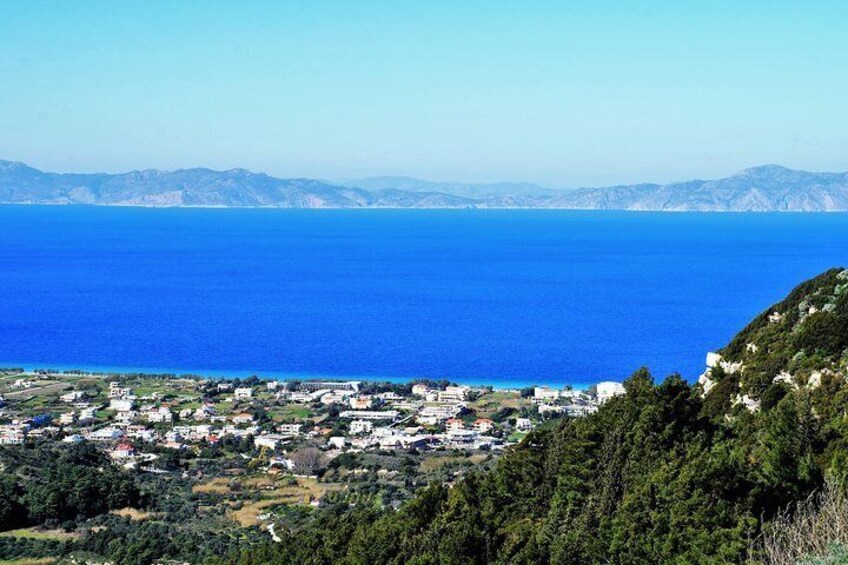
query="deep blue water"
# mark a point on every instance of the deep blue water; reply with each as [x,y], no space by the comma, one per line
[501,297]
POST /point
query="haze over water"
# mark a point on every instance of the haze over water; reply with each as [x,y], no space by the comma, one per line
[499,297]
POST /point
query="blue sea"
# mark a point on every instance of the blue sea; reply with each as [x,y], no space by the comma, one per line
[506,298]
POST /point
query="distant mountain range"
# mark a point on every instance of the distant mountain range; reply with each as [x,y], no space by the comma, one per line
[759,189]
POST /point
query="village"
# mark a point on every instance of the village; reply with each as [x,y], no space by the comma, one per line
[263,455]
[129,415]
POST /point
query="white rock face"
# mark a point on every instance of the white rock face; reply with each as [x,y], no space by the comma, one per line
[732,368]
[706,382]
[784,377]
[713,359]
[749,403]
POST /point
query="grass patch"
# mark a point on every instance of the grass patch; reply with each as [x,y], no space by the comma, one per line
[516,436]
[491,402]
[303,492]
[435,463]
[264,492]
[220,485]
[39,533]
[292,411]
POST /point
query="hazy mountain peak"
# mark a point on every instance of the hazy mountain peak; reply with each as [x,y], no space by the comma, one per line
[766,170]
[763,188]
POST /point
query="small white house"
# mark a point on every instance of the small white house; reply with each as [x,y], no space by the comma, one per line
[162,415]
[289,429]
[361,427]
[337,442]
[523,424]
[121,404]
[483,425]
[266,441]
[72,396]
[545,393]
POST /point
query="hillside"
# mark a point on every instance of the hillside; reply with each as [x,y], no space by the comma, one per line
[667,473]
[761,189]
[796,343]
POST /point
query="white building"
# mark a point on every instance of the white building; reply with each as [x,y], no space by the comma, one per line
[72,396]
[337,442]
[523,424]
[126,417]
[12,434]
[105,434]
[543,393]
[242,393]
[434,414]
[329,398]
[483,425]
[609,389]
[267,441]
[453,394]
[454,424]
[361,427]
[289,429]
[241,419]
[162,415]
[116,391]
[461,436]
[121,404]
[370,415]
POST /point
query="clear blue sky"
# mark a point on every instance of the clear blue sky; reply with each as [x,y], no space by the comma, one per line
[562,93]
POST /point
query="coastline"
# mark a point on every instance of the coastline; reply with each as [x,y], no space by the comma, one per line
[102,370]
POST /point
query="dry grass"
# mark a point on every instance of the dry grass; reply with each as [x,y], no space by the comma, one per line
[41,390]
[303,492]
[810,532]
[28,561]
[272,491]
[133,514]
[218,485]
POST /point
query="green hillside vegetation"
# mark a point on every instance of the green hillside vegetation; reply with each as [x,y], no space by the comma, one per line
[804,334]
[665,474]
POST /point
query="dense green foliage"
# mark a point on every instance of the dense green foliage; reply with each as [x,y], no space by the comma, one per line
[805,333]
[55,486]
